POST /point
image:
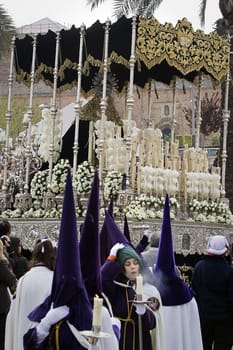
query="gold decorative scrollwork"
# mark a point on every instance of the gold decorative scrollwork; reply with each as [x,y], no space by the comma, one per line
[182,47]
[186,273]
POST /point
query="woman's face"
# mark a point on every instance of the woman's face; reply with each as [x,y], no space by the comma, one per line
[131,267]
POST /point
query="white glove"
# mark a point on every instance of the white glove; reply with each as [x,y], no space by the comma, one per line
[52,317]
[115,248]
[140,309]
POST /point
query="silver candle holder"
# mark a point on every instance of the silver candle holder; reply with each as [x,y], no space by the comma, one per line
[95,334]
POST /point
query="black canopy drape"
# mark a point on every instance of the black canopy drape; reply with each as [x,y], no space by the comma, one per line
[162,52]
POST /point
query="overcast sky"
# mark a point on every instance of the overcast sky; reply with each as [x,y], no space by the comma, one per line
[76,12]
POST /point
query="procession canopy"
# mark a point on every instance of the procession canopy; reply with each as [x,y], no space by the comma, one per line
[162,52]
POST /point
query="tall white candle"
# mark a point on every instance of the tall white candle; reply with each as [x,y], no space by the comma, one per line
[139,282]
[97,312]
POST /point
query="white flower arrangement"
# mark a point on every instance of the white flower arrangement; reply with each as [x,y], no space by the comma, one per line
[53,213]
[112,184]
[32,213]
[39,184]
[117,212]
[12,213]
[211,211]
[59,174]
[149,207]
[42,213]
[83,177]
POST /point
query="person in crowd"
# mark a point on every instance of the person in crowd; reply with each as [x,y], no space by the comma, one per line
[33,287]
[5,231]
[212,281]
[5,227]
[182,329]
[18,262]
[67,311]
[110,234]
[70,305]
[150,255]
[119,275]
[7,283]
[90,267]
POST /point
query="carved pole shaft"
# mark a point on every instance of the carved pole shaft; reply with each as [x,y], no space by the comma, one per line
[103,104]
[8,116]
[77,107]
[173,112]
[149,124]
[130,101]
[226,116]
[90,142]
[53,111]
[199,119]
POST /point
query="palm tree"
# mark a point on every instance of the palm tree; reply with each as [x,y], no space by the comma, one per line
[7,30]
[144,8]
[224,26]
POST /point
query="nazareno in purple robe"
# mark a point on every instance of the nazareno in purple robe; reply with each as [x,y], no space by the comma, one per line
[60,330]
[121,299]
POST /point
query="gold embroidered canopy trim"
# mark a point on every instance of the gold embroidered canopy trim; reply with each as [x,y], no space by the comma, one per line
[161,51]
[182,47]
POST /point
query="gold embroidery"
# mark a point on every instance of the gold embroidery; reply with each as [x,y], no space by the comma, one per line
[182,48]
[57,329]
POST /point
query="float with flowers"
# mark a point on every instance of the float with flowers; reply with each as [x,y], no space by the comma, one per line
[136,166]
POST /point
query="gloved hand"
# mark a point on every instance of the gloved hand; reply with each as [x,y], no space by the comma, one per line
[52,317]
[140,309]
[115,248]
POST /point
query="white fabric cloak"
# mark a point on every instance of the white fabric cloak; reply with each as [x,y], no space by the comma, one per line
[32,289]
[182,327]
[157,334]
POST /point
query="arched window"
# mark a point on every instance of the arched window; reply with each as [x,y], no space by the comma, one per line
[166,132]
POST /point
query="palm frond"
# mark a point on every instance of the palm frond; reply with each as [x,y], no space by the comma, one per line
[94,3]
[150,8]
[144,8]
[7,29]
[124,8]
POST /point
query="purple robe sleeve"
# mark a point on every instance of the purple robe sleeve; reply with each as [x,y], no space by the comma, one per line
[110,270]
[141,246]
